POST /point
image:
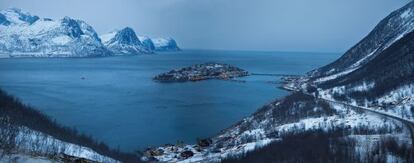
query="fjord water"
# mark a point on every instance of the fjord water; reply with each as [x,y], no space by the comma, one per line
[115,100]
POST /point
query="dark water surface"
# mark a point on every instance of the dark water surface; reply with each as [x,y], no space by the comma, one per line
[114,99]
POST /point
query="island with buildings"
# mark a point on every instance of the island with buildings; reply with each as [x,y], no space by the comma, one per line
[202,72]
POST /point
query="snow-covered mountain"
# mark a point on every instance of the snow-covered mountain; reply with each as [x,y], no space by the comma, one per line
[25,35]
[125,41]
[384,81]
[147,42]
[165,44]
[395,26]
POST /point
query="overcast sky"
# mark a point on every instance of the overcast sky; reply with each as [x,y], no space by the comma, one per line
[279,25]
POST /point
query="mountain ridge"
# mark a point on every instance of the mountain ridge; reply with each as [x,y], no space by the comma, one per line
[390,29]
[30,36]
[25,35]
[124,41]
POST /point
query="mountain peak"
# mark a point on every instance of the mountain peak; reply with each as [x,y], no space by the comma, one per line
[17,16]
[124,41]
[3,20]
[127,36]
[165,44]
[127,29]
[72,26]
[147,42]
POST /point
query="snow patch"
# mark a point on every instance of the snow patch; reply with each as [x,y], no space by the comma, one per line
[399,102]
[406,14]
[334,76]
[61,40]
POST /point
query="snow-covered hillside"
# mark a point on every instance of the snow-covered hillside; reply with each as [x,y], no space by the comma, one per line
[385,83]
[125,41]
[295,113]
[388,31]
[165,44]
[381,80]
[399,102]
[25,35]
[31,144]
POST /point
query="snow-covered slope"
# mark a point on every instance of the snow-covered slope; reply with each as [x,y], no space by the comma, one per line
[388,31]
[165,44]
[30,143]
[398,102]
[384,83]
[125,41]
[24,35]
[295,113]
[377,73]
[147,42]
[16,16]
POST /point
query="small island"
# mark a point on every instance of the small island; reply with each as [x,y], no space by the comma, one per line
[202,72]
